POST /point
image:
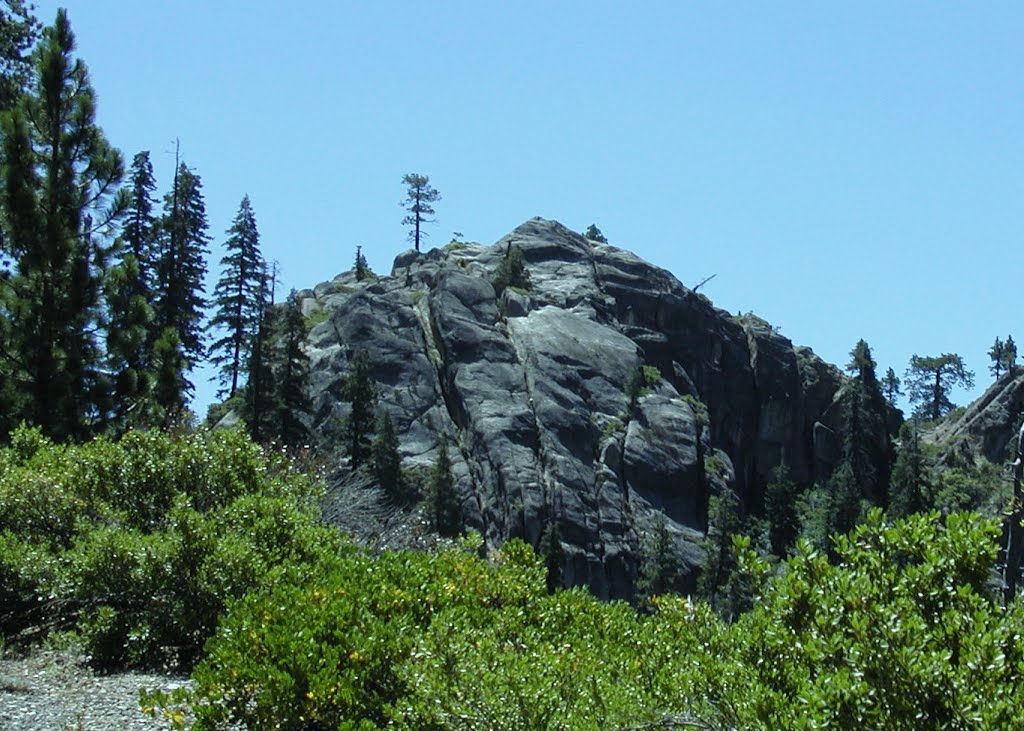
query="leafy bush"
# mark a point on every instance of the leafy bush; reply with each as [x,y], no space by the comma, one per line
[139,543]
[326,651]
[900,633]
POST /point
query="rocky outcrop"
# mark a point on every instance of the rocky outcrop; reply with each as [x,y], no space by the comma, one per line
[986,428]
[530,388]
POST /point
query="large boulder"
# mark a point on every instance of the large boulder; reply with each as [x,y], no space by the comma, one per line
[531,390]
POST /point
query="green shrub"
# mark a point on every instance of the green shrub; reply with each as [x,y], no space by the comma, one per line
[325,650]
[511,273]
[901,633]
[141,542]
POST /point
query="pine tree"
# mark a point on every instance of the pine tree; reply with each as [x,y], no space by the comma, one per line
[444,510]
[131,358]
[550,547]
[866,445]
[361,269]
[181,269]
[141,228]
[261,392]
[1009,354]
[360,392]
[60,196]
[387,461]
[910,485]
[237,299]
[660,569]
[891,387]
[291,380]
[835,507]
[511,271]
[594,234]
[996,353]
[417,201]
[129,293]
[930,380]
[780,508]
[170,386]
[720,583]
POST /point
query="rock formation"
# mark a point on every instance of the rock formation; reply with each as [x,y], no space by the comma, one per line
[530,388]
[985,428]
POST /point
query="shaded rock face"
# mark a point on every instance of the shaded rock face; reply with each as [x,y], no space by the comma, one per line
[987,429]
[530,388]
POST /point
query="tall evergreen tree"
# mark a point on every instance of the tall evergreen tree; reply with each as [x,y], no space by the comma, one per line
[550,547]
[1009,354]
[169,383]
[720,583]
[418,199]
[260,405]
[891,386]
[360,392]
[181,269]
[141,229]
[866,444]
[780,508]
[444,510]
[291,380]
[661,568]
[387,461]
[131,359]
[996,353]
[237,299]
[130,292]
[910,486]
[60,196]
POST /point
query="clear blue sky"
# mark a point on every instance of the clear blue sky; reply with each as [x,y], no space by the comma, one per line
[848,170]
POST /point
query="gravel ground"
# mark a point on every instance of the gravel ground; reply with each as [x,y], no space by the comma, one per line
[54,691]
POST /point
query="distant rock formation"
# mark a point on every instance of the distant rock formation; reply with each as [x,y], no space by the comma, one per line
[530,388]
[986,428]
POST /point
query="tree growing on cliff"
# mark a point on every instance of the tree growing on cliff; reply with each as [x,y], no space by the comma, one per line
[361,394]
[444,509]
[511,271]
[930,380]
[660,568]
[418,199]
[387,460]
[1003,356]
[361,269]
[594,234]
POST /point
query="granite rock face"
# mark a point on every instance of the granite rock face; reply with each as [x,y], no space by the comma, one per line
[987,428]
[530,388]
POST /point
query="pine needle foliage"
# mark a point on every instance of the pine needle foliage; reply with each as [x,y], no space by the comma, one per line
[237,300]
